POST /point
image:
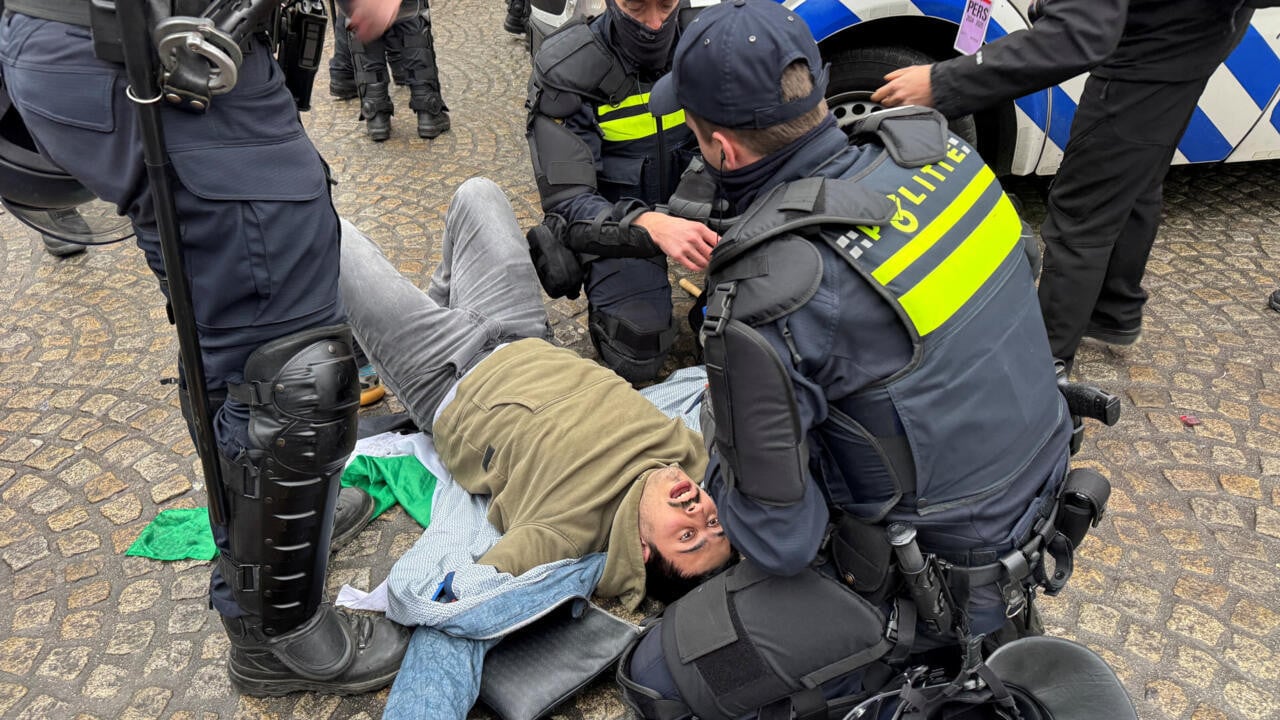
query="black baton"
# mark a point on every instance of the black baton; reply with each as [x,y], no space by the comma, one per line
[144,91]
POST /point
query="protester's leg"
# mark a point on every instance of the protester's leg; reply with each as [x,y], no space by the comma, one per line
[484,292]
[487,268]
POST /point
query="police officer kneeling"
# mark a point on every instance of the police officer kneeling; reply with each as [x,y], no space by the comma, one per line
[882,388]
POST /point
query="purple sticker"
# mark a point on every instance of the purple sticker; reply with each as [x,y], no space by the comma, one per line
[973,26]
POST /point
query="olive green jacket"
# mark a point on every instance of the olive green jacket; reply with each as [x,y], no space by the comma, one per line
[563,446]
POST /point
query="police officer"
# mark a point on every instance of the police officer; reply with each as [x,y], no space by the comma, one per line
[342,72]
[872,346]
[1148,63]
[411,32]
[603,161]
[261,240]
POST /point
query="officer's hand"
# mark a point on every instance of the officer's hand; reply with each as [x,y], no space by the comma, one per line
[370,18]
[688,243]
[906,86]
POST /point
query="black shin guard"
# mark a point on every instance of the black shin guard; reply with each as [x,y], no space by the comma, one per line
[303,393]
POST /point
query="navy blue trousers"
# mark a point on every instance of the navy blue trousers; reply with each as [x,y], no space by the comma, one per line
[259,233]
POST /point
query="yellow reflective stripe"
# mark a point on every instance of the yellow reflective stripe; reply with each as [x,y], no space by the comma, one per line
[950,285]
[631,101]
[637,127]
[634,127]
[925,239]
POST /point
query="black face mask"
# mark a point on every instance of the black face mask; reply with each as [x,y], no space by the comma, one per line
[647,49]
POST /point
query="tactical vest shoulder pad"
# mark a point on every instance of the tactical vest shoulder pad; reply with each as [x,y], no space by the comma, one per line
[913,135]
[730,656]
[757,431]
[573,60]
[805,203]
[772,280]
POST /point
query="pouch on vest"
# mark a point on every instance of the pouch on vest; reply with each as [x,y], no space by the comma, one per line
[1083,501]
[862,556]
[746,639]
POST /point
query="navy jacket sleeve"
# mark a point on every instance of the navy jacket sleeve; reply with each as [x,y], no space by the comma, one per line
[781,540]
[1070,37]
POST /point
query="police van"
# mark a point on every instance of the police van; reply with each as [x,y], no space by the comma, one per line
[1238,118]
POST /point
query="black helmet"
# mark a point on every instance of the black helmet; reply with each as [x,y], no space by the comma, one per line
[1035,678]
[42,195]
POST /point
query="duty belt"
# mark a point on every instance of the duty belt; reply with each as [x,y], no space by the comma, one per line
[72,12]
[97,15]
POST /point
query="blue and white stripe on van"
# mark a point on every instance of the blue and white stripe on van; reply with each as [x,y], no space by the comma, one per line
[1238,118]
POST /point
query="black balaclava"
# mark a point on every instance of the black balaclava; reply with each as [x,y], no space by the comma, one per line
[646,49]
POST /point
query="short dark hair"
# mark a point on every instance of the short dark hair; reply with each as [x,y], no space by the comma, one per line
[664,583]
[796,83]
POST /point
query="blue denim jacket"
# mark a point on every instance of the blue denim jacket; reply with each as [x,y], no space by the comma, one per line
[440,676]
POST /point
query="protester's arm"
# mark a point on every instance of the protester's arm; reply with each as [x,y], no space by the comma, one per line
[1069,38]
[525,547]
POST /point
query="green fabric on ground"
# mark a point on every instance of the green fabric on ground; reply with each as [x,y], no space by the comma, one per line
[181,534]
[184,534]
[389,480]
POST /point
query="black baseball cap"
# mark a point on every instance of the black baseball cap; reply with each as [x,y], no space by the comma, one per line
[728,66]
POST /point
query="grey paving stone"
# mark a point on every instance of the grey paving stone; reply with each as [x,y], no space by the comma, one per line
[1177,589]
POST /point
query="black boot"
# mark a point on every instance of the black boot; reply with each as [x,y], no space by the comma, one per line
[433,115]
[376,109]
[517,21]
[1274,301]
[352,514]
[333,653]
[342,87]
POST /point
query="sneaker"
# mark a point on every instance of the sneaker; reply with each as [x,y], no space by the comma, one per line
[1274,301]
[1113,336]
[371,387]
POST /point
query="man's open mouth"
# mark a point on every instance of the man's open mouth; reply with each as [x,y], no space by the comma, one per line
[680,488]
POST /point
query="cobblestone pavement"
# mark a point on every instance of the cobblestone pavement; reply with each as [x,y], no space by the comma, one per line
[1177,589]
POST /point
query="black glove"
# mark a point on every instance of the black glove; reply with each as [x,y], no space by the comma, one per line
[557,266]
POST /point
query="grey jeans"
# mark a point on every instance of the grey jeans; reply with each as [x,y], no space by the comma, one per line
[484,292]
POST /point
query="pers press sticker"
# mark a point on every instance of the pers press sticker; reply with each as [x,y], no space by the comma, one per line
[973,26]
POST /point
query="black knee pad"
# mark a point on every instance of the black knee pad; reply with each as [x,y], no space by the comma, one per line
[630,316]
[635,353]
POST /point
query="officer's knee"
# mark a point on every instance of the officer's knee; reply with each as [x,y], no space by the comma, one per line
[634,350]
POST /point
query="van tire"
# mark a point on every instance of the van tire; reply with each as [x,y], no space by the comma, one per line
[858,72]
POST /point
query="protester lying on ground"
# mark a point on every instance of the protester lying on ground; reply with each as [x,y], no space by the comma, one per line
[470,360]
